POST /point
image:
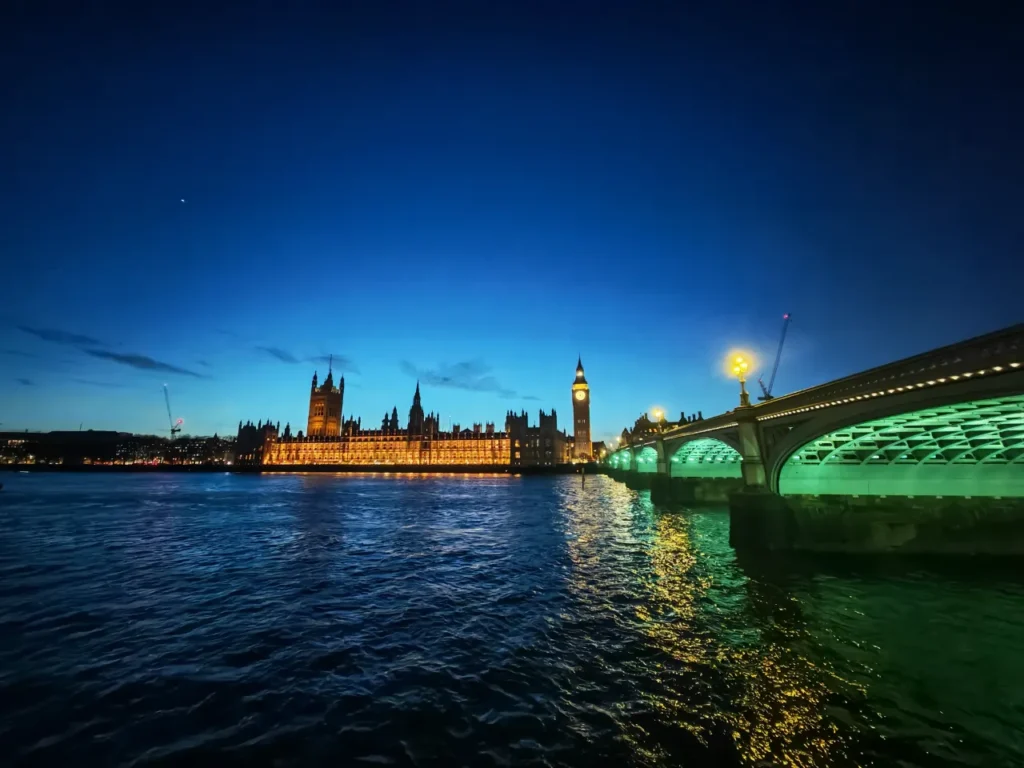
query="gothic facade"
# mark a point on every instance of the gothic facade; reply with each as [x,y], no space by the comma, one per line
[332,440]
[325,404]
[542,445]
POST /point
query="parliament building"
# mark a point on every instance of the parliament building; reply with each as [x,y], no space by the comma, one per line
[330,439]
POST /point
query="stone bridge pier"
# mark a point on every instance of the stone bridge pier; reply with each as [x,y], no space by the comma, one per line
[751,451]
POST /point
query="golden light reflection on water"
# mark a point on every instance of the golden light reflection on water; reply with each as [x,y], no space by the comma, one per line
[729,659]
[778,696]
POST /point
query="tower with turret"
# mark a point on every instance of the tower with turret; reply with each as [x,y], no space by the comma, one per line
[416,416]
[581,413]
[325,405]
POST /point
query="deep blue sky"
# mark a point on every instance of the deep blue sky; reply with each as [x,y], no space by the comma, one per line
[481,192]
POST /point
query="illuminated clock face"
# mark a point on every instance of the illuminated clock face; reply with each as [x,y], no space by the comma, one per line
[581,395]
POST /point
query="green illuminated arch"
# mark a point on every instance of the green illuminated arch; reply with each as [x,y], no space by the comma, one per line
[967,449]
[647,460]
[705,457]
[622,459]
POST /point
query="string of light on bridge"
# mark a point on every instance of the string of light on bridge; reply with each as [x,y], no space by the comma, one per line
[890,391]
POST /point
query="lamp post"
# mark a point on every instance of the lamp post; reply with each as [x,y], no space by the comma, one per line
[740,367]
[658,415]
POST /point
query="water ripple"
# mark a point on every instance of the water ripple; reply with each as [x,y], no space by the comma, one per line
[359,620]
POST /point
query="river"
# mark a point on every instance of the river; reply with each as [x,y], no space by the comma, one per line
[371,620]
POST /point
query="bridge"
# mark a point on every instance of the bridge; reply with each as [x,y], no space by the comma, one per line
[923,454]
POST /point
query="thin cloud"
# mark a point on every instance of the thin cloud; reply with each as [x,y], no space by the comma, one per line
[142,362]
[529,397]
[203,363]
[470,375]
[104,384]
[18,353]
[26,382]
[62,337]
[340,362]
[279,354]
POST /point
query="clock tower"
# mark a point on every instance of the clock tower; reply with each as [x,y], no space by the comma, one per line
[581,414]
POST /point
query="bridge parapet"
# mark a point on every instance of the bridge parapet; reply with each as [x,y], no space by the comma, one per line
[992,354]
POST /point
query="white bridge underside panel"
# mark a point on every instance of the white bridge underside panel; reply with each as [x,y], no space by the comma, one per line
[968,449]
[705,458]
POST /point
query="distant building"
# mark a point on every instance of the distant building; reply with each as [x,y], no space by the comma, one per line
[251,440]
[542,445]
[337,441]
[105,448]
[643,427]
[331,439]
[60,447]
[581,415]
[197,450]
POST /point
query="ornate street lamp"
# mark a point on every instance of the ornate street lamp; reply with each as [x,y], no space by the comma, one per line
[740,367]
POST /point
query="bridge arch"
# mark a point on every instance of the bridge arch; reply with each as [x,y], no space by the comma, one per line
[705,457]
[647,459]
[621,459]
[973,448]
[783,445]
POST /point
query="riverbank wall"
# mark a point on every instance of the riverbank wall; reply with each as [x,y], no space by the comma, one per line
[379,469]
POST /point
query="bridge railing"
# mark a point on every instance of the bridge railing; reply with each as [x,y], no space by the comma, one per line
[978,356]
[992,353]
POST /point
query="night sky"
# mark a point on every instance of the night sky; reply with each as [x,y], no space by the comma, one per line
[476,194]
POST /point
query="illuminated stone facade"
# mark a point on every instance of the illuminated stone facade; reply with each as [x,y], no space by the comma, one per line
[334,441]
[325,403]
[377,448]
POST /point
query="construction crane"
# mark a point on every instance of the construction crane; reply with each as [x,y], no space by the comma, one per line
[175,425]
[775,368]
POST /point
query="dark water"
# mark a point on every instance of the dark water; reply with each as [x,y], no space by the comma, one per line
[307,620]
